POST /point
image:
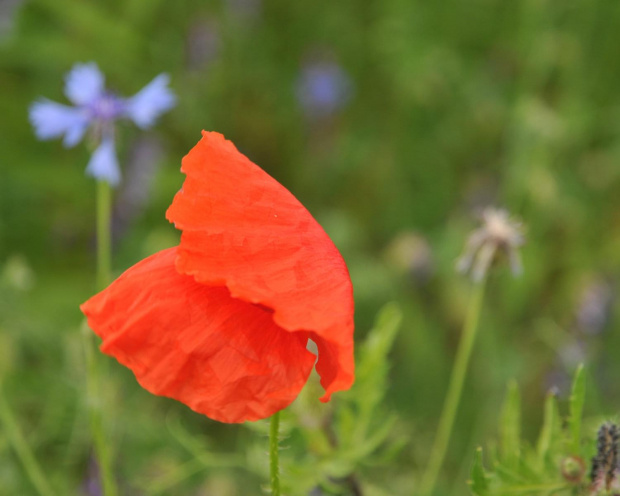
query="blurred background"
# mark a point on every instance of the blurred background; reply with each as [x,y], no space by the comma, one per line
[394,122]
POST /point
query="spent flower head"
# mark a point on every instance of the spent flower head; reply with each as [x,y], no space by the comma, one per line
[498,234]
[98,109]
[605,467]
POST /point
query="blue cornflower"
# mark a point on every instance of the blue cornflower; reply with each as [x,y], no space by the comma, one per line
[323,88]
[98,109]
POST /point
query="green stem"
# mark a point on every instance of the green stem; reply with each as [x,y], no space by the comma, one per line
[274,447]
[455,388]
[104,241]
[104,256]
[22,449]
[94,402]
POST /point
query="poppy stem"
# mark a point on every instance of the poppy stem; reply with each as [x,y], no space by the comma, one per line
[274,455]
[455,388]
[22,450]
[104,257]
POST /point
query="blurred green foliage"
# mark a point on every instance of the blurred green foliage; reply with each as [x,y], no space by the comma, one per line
[453,106]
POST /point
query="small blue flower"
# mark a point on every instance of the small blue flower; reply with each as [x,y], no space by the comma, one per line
[323,88]
[98,109]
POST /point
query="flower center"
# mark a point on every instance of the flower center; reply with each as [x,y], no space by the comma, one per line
[107,108]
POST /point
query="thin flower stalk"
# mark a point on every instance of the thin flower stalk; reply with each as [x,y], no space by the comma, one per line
[455,389]
[93,375]
[104,275]
[94,404]
[96,110]
[104,234]
[498,235]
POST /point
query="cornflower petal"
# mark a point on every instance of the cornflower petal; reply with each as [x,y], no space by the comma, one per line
[84,84]
[219,355]
[103,164]
[150,102]
[51,120]
[244,230]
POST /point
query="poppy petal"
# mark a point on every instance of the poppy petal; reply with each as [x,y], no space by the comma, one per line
[221,356]
[244,230]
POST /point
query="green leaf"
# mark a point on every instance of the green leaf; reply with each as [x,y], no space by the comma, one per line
[510,428]
[577,400]
[478,482]
[373,366]
[550,431]
[379,341]
[372,442]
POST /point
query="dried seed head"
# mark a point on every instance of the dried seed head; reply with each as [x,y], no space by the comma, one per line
[605,470]
[498,234]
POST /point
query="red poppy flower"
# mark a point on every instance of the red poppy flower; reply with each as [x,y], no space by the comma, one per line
[222,322]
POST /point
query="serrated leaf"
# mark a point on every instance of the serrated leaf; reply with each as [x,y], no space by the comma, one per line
[528,464]
[347,424]
[363,450]
[550,430]
[510,428]
[478,482]
[577,400]
[379,341]
[372,367]
[509,477]
[337,468]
